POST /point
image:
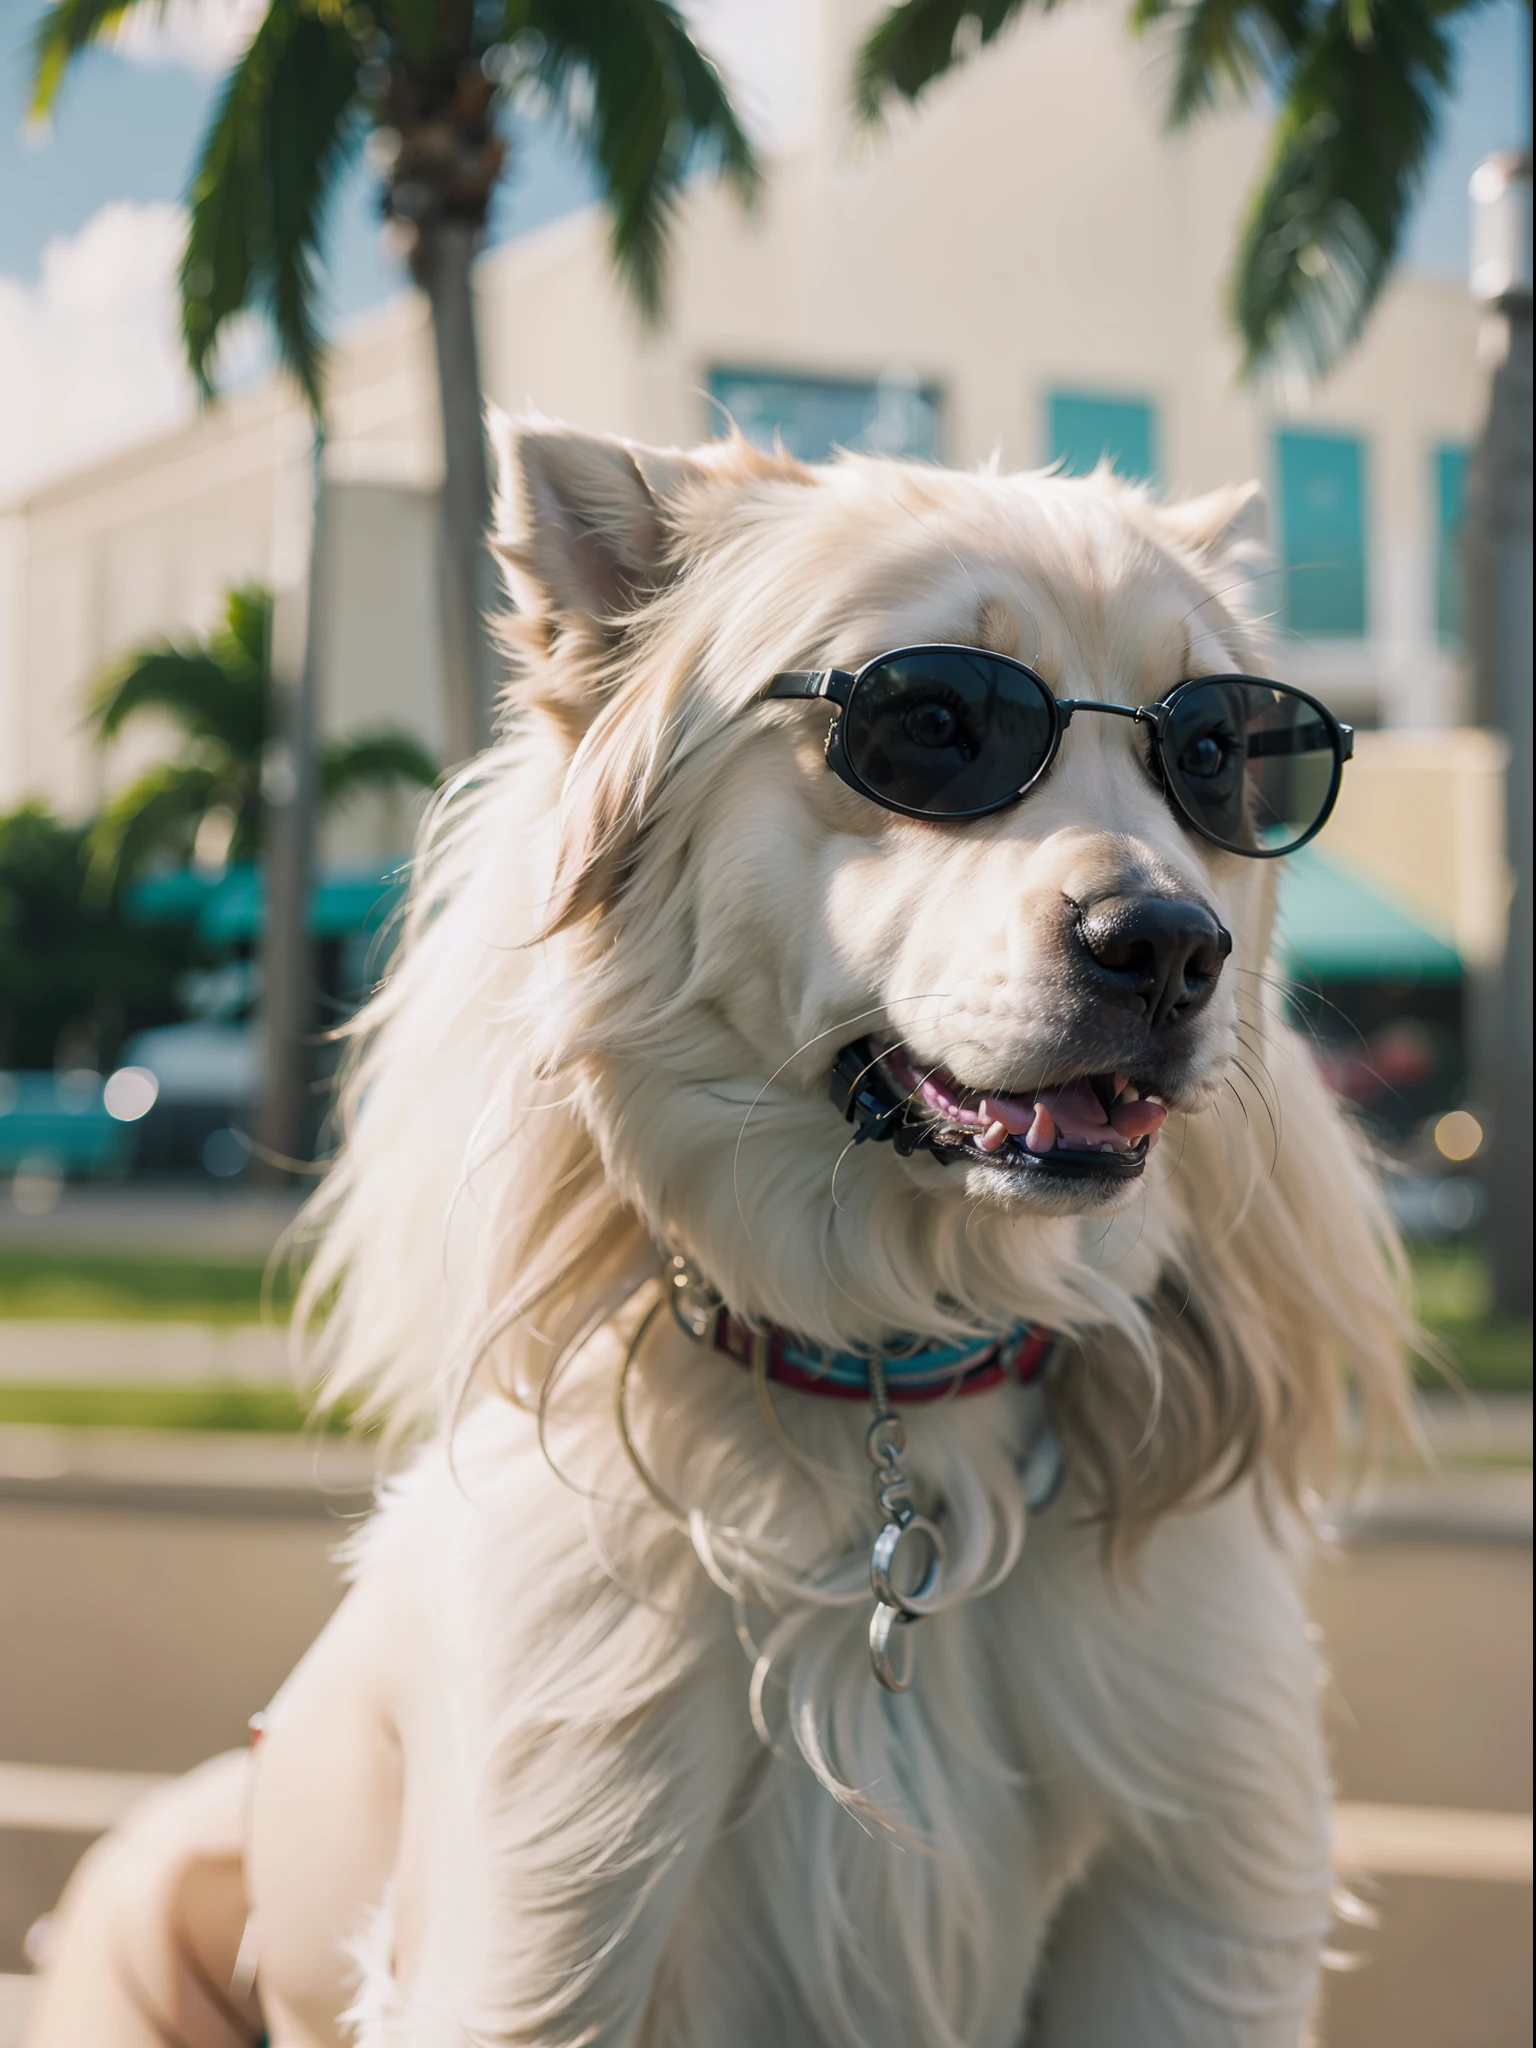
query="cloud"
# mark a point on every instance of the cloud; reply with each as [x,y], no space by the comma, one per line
[90,355]
[206,35]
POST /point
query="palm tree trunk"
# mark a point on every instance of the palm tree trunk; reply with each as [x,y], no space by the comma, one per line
[442,265]
[290,801]
[1498,533]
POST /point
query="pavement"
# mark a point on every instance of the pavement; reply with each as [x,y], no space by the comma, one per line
[159,1586]
[241,1476]
[198,1217]
[60,1351]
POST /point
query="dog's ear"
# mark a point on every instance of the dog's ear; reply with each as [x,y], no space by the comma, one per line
[580,524]
[589,527]
[1233,517]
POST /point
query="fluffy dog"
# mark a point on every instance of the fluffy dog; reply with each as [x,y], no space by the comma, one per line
[592,1752]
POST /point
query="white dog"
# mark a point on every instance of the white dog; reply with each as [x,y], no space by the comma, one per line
[741,1084]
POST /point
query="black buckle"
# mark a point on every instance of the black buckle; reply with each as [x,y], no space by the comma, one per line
[860,1092]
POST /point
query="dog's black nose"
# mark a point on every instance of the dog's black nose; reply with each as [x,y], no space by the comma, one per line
[1162,954]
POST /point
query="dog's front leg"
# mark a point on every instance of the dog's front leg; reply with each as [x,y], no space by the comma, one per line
[324,1816]
[571,1859]
[1130,1963]
[1188,1699]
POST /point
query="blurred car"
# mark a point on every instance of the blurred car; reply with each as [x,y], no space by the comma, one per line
[58,1126]
[205,1081]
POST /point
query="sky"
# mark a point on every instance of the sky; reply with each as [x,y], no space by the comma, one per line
[91,219]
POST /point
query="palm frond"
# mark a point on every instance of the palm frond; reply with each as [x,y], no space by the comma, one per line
[1224,47]
[1351,143]
[209,698]
[247,624]
[157,813]
[657,105]
[373,760]
[65,29]
[920,41]
[270,161]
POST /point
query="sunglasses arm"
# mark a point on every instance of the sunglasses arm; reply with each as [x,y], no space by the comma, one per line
[811,683]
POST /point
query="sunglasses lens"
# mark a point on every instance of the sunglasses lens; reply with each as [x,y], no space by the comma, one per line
[1253,764]
[946,732]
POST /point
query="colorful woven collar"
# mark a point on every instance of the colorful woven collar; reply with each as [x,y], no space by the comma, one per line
[929,1372]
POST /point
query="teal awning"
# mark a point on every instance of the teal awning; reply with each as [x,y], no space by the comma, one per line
[1334,924]
[170,895]
[229,908]
[1337,926]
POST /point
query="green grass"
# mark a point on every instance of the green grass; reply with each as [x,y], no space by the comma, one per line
[1491,1353]
[133,1287]
[273,1410]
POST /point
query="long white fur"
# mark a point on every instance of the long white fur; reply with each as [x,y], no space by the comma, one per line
[641,928]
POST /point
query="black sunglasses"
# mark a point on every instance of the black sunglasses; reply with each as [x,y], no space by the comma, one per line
[955,732]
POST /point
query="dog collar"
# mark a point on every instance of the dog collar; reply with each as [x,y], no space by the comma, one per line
[926,1372]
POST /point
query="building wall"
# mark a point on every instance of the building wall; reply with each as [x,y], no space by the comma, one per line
[1031,228]
[133,549]
[1423,814]
[145,547]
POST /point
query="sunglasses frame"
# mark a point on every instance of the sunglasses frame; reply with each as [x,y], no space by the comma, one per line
[837,687]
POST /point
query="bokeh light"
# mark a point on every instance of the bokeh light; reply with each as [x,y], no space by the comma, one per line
[130,1093]
[1458,1135]
[226,1153]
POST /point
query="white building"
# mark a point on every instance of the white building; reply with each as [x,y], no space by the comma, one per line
[1029,263]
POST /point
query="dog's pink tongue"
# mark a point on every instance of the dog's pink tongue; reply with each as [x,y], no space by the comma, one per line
[1011,1111]
[1076,1112]
[1138,1119]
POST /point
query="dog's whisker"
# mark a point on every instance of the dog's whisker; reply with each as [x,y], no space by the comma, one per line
[875,1010]
[1274,1127]
[837,1166]
[1313,992]
[1261,1076]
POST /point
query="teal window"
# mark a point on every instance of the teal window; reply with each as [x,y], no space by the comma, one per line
[1084,427]
[814,415]
[1450,505]
[1322,532]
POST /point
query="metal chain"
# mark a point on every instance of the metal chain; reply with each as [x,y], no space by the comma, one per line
[698,1308]
[885,1441]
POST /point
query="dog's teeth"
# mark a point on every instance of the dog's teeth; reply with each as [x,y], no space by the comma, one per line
[1159,1101]
[993,1138]
[1008,1111]
[1129,1093]
[1041,1135]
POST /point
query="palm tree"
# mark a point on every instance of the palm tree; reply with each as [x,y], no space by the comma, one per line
[206,803]
[427,77]
[1359,87]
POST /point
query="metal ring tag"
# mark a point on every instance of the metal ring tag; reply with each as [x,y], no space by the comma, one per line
[922,1598]
[881,1623]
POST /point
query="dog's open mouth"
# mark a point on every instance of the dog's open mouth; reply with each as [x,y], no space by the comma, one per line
[1092,1124]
